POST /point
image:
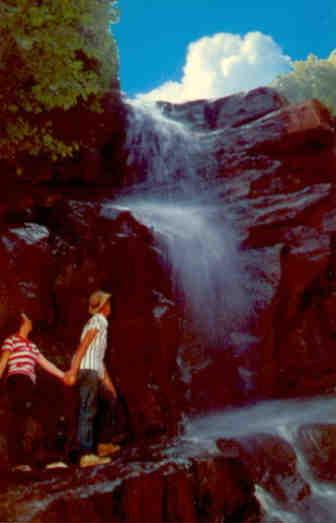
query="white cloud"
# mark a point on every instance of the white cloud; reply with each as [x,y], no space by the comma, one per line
[223,64]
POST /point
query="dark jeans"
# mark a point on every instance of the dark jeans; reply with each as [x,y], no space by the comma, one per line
[90,411]
[90,424]
[20,390]
[88,385]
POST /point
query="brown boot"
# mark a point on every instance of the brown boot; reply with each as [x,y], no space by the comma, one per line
[107,449]
[56,465]
[92,460]
[21,468]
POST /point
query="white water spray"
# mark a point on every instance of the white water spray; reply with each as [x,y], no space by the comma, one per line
[162,149]
[178,204]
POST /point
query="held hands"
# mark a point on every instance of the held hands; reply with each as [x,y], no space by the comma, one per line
[69,378]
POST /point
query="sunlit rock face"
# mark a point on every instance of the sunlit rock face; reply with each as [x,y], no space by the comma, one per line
[231,111]
[221,264]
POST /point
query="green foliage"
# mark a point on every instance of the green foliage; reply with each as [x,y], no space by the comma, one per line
[311,78]
[54,54]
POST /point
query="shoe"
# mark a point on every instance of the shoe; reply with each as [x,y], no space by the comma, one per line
[21,468]
[57,465]
[91,460]
[106,449]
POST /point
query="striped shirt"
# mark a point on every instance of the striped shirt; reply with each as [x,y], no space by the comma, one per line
[94,356]
[23,356]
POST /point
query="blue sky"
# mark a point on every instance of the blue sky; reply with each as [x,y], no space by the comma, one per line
[153,35]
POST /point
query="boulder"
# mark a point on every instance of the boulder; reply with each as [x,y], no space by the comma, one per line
[272,463]
[28,272]
[317,443]
[231,111]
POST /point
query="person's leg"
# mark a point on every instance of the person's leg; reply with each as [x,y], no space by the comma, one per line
[106,427]
[114,422]
[105,418]
[71,413]
[88,383]
[20,395]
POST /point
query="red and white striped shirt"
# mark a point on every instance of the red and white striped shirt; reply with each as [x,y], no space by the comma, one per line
[23,356]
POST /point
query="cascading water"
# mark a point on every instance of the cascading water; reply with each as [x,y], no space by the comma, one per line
[176,200]
[161,149]
[281,419]
[203,262]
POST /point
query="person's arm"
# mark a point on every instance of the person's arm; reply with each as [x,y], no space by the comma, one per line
[3,361]
[49,367]
[6,350]
[81,351]
[108,383]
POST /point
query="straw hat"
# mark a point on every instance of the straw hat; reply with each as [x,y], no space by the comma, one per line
[97,300]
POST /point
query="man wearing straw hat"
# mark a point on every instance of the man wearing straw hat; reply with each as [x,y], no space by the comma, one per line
[89,371]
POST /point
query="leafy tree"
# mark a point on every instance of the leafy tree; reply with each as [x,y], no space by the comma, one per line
[54,56]
[311,78]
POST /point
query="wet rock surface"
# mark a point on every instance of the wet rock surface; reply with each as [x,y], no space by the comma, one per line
[318,443]
[203,488]
[275,170]
[272,463]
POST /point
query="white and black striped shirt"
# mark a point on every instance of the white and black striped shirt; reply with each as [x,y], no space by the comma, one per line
[94,356]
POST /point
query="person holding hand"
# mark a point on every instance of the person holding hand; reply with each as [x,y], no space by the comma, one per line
[88,370]
[19,356]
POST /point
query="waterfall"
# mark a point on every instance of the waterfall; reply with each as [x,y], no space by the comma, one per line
[198,231]
[198,234]
[177,201]
[164,151]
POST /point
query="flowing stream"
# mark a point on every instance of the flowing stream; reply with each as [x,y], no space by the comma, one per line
[281,419]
